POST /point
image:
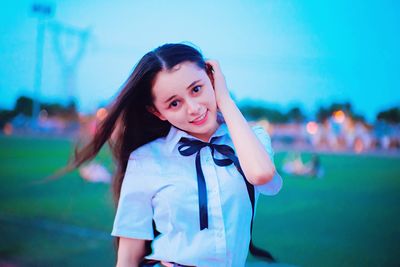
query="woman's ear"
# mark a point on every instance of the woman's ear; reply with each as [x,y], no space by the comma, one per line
[155,112]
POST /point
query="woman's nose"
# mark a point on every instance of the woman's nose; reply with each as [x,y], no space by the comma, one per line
[193,107]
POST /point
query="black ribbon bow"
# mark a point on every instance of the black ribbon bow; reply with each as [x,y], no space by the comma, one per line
[189,147]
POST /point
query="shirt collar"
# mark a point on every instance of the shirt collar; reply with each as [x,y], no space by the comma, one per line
[175,135]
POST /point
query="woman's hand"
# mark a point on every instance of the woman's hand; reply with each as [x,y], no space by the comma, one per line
[221,91]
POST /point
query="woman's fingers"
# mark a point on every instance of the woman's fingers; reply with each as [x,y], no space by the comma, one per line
[217,72]
[215,66]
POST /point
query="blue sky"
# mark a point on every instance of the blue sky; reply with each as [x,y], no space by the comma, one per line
[284,53]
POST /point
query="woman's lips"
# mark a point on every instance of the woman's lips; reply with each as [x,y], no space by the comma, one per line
[203,120]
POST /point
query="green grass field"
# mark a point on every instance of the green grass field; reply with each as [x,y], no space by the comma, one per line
[351,217]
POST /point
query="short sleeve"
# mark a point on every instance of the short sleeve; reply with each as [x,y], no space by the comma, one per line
[134,213]
[275,185]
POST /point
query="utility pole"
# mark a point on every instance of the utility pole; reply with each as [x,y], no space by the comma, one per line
[41,11]
[69,61]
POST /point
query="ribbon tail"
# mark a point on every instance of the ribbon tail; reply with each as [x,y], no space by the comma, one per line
[201,184]
[261,253]
[255,251]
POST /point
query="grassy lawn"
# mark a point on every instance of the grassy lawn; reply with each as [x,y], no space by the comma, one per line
[350,217]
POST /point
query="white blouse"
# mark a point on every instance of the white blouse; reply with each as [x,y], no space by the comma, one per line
[161,184]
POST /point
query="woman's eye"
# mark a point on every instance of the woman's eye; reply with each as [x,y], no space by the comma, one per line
[174,104]
[197,88]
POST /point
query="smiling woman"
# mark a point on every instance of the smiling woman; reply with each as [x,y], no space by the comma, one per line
[189,167]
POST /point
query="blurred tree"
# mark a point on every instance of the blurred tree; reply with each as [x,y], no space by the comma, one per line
[391,115]
[345,107]
[68,112]
[295,114]
[260,112]
[6,116]
[323,113]
[24,106]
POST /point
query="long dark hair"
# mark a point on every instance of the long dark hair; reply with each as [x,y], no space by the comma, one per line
[128,124]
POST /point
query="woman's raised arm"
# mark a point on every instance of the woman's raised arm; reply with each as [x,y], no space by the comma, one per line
[254,160]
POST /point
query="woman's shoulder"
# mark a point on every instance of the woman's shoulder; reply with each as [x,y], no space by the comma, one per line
[151,149]
[151,157]
[143,170]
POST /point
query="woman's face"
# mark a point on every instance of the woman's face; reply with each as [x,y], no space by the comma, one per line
[184,96]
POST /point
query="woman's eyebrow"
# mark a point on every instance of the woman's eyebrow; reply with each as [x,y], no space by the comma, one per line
[170,98]
[193,83]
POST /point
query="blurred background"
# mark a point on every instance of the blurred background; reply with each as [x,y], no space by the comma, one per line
[320,76]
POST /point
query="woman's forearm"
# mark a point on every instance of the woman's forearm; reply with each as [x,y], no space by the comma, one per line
[253,158]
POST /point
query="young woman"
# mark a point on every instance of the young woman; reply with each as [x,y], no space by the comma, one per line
[189,167]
